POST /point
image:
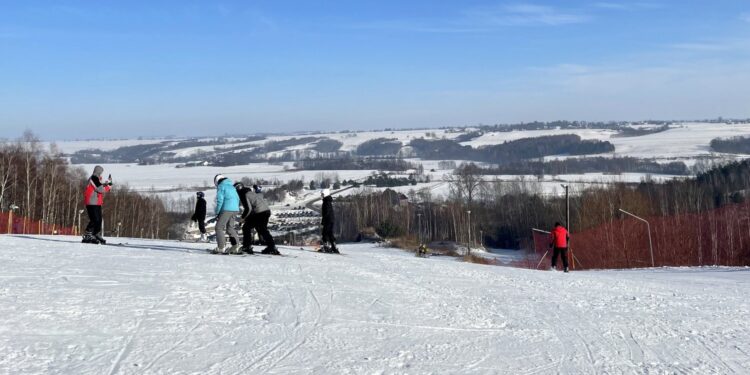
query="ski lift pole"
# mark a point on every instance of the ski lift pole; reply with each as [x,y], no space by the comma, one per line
[546,252]
[648,227]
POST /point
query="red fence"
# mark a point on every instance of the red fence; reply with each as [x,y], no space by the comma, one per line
[23,225]
[717,237]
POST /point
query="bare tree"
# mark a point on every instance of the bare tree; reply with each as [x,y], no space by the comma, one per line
[465,182]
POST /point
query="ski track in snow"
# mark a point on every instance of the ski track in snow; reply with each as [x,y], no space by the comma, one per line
[158,307]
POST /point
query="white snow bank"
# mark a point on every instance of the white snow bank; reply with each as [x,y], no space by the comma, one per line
[67,307]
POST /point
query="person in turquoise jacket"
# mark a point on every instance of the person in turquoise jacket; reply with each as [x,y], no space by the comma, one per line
[227,208]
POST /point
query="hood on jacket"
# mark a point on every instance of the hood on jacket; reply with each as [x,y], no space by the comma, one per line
[218,178]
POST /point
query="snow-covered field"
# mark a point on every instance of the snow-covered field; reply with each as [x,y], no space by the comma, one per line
[685,142]
[166,307]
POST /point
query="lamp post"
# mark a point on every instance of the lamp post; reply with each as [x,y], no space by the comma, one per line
[78,228]
[567,207]
[12,207]
[468,250]
[419,224]
[648,226]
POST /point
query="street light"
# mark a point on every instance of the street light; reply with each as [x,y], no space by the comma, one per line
[468,250]
[80,212]
[419,233]
[650,245]
[12,208]
[567,207]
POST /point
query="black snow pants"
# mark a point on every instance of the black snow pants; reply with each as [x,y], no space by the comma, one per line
[328,234]
[95,219]
[562,251]
[202,224]
[259,222]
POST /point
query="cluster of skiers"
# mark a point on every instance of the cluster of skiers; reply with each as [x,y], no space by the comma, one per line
[255,215]
[229,196]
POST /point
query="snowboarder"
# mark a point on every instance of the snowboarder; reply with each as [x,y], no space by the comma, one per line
[227,207]
[255,215]
[328,242]
[200,215]
[93,198]
[559,238]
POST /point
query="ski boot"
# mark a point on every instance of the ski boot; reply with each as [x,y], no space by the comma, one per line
[324,248]
[101,239]
[333,249]
[218,250]
[271,250]
[565,270]
[247,250]
[235,250]
[89,238]
[203,238]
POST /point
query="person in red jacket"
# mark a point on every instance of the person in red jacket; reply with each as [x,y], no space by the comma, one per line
[93,198]
[559,241]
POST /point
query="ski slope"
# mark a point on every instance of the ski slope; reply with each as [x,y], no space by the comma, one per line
[162,307]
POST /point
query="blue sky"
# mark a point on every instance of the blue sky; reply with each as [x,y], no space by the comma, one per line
[83,69]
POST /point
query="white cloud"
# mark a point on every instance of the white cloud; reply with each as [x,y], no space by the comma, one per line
[611,5]
[525,15]
[486,19]
[715,45]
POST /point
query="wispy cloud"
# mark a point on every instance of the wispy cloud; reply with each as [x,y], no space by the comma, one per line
[525,15]
[629,6]
[487,19]
[714,45]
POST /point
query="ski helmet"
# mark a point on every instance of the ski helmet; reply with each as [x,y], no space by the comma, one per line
[257,189]
[218,178]
[325,192]
[199,194]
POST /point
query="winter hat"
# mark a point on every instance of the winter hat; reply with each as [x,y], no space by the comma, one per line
[218,178]
[238,185]
[257,189]
[98,170]
[326,192]
[199,194]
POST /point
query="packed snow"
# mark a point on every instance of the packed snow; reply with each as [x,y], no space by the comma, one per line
[168,307]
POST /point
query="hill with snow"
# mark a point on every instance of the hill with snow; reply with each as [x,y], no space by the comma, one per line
[167,307]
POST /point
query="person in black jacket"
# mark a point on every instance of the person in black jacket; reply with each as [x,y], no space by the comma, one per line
[255,215]
[328,242]
[200,214]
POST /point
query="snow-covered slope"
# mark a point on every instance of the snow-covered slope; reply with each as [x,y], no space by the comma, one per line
[167,307]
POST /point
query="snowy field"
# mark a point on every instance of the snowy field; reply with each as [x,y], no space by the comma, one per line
[685,142]
[167,308]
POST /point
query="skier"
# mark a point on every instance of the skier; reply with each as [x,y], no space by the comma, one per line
[200,215]
[93,198]
[255,215]
[328,242]
[559,238]
[227,206]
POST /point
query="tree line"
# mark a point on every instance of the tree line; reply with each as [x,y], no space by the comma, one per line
[40,184]
[504,212]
